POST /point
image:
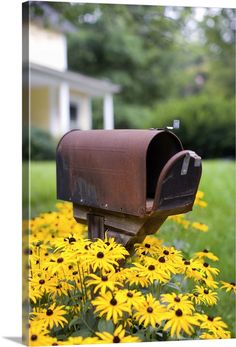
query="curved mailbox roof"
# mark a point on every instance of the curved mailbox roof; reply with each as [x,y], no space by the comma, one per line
[107,169]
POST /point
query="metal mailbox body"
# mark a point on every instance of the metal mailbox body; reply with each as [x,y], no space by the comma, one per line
[131,176]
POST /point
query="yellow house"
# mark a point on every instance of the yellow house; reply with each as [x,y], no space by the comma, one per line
[59,99]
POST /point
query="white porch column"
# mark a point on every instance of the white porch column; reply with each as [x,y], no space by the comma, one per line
[85,113]
[53,102]
[64,107]
[108,113]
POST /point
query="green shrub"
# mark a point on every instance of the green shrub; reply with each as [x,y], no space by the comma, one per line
[42,145]
[207,124]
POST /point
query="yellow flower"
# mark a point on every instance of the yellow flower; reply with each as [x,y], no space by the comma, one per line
[206,254]
[42,282]
[205,295]
[229,287]
[180,219]
[112,305]
[178,321]
[214,325]
[103,256]
[150,245]
[149,312]
[209,271]
[79,340]
[198,200]
[103,282]
[151,271]
[117,337]
[134,277]
[191,268]
[38,336]
[133,297]
[51,316]
[200,226]
[180,301]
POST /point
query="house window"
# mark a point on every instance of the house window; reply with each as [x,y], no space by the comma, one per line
[73,116]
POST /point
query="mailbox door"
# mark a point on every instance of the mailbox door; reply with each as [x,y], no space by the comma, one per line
[178,182]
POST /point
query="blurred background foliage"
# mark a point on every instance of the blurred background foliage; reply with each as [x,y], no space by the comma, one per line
[172,62]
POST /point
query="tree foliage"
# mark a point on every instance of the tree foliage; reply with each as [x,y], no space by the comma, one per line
[155,53]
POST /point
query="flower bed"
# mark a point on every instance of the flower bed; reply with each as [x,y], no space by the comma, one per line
[84,292]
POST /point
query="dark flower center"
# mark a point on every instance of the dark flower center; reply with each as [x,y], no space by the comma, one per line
[177,299]
[147,245]
[70,267]
[34,337]
[74,273]
[104,278]
[166,252]
[232,283]
[113,302]
[206,291]
[195,294]
[116,339]
[205,251]
[86,247]
[187,262]
[205,264]
[178,313]
[41,281]
[130,295]
[149,309]
[60,260]
[59,286]
[161,259]
[151,267]
[107,243]
[49,312]
[210,318]
[100,255]
[72,240]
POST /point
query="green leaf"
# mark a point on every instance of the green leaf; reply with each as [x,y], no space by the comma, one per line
[74,321]
[106,325]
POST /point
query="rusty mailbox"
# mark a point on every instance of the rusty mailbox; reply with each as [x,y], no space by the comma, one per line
[126,182]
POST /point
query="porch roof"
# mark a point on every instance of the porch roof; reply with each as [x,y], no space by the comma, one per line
[41,75]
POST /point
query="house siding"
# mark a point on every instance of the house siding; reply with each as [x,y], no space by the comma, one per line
[39,108]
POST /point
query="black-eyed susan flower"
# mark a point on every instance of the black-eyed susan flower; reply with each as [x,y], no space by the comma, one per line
[206,254]
[228,286]
[149,312]
[162,264]
[206,295]
[198,199]
[133,298]
[209,271]
[54,315]
[152,271]
[43,282]
[102,283]
[180,219]
[34,294]
[134,277]
[39,335]
[200,226]
[79,340]
[214,325]
[178,321]
[111,305]
[151,245]
[191,268]
[117,337]
[178,301]
[101,256]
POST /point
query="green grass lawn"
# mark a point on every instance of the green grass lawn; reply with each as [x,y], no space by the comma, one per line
[218,183]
